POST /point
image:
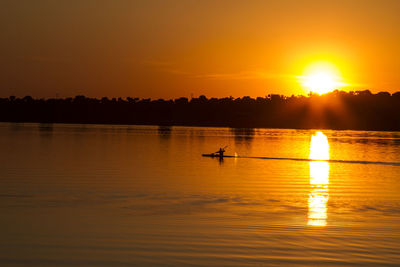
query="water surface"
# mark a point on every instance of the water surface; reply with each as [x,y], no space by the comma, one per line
[97,195]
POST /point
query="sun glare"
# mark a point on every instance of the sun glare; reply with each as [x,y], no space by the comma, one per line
[320,82]
[319,180]
[319,147]
[321,78]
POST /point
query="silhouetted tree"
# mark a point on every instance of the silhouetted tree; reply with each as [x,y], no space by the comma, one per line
[360,110]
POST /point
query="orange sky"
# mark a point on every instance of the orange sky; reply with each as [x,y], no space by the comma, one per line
[168,49]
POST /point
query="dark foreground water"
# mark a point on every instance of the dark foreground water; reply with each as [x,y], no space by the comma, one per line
[76,195]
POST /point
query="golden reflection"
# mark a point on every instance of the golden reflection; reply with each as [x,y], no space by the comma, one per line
[319,180]
[319,147]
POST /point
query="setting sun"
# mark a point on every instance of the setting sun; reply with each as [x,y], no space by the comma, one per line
[321,78]
[320,82]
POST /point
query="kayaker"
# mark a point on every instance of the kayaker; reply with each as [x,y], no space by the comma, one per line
[220,152]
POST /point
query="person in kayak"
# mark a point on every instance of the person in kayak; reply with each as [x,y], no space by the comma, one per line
[220,152]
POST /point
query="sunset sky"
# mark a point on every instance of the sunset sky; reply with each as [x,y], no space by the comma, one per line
[169,49]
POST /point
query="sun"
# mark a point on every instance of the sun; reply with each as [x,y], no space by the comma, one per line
[320,82]
[321,78]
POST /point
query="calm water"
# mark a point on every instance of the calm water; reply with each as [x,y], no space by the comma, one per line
[75,195]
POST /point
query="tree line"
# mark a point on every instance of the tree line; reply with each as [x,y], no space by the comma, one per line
[357,110]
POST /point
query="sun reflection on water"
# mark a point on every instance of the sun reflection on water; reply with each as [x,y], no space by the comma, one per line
[319,180]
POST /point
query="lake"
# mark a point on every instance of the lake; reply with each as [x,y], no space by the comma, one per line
[100,195]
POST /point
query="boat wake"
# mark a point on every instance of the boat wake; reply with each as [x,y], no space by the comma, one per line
[329,161]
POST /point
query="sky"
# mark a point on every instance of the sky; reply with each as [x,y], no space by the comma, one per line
[169,49]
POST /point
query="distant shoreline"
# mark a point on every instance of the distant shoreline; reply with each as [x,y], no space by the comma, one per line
[338,110]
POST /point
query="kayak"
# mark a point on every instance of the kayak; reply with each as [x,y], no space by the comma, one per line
[212,155]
